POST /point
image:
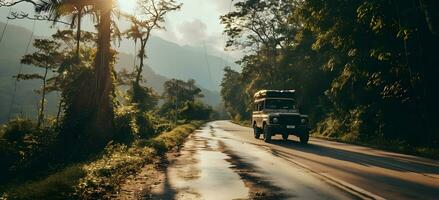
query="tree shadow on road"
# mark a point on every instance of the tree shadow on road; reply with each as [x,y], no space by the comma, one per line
[381,161]
[406,165]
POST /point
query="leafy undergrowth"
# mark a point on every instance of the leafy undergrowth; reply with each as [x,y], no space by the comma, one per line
[103,176]
[100,178]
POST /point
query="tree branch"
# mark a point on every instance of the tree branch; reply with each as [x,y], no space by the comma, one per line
[23,15]
[3,3]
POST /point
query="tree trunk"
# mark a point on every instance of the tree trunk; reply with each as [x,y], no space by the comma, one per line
[43,97]
[103,119]
[58,113]
[78,36]
[142,58]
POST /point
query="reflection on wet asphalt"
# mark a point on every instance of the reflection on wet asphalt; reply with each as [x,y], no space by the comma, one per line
[212,165]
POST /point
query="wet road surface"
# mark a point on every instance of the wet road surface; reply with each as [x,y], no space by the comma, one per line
[224,161]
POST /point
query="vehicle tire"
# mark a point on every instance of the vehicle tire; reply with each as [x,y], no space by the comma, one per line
[267,134]
[257,132]
[304,138]
[285,136]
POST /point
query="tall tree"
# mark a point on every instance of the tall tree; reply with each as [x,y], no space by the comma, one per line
[176,94]
[102,122]
[232,93]
[151,16]
[48,58]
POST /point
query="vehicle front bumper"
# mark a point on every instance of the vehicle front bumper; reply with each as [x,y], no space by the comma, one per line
[290,129]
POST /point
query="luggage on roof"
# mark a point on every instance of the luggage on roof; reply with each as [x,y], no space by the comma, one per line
[275,94]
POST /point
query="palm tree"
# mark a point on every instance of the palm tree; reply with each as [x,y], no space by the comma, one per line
[98,101]
[61,8]
[100,98]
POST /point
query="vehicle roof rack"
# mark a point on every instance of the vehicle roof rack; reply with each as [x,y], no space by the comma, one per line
[275,94]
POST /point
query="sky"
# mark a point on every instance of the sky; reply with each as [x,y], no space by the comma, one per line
[196,24]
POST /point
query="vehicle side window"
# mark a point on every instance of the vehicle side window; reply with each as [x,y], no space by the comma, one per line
[261,105]
[257,106]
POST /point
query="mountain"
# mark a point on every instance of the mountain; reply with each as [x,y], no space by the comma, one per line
[156,81]
[24,101]
[13,47]
[183,62]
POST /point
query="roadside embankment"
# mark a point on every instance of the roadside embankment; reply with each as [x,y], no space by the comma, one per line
[101,177]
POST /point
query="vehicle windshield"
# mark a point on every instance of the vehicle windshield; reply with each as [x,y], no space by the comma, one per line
[286,104]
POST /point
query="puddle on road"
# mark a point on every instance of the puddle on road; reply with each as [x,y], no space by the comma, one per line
[214,180]
[217,180]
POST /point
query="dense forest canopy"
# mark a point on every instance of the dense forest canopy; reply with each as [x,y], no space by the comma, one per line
[364,70]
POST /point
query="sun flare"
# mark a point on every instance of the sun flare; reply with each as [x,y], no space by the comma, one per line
[127,6]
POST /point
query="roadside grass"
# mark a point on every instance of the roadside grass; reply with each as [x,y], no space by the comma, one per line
[101,178]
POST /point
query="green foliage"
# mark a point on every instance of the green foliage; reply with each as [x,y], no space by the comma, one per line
[181,100]
[195,110]
[99,178]
[175,138]
[143,97]
[104,175]
[133,124]
[232,93]
[24,149]
[181,91]
[125,123]
[363,69]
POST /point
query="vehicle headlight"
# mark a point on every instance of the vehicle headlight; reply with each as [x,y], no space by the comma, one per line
[303,120]
[275,120]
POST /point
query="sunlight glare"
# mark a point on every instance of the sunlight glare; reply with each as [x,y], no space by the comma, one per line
[127,6]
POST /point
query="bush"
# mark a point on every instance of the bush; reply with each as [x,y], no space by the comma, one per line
[24,147]
[132,124]
[104,175]
[145,123]
[348,126]
[125,124]
[195,110]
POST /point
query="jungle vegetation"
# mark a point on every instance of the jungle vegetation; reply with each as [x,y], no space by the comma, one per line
[103,115]
[364,70]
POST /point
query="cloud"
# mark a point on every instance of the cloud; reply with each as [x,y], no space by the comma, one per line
[193,32]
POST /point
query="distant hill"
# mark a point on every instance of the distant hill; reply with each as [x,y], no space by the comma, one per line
[183,62]
[156,80]
[13,47]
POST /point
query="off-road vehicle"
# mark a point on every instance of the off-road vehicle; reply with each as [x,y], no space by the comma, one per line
[276,112]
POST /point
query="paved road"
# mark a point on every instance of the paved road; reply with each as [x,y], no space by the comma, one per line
[224,161]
